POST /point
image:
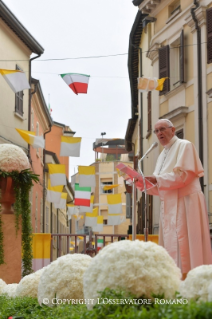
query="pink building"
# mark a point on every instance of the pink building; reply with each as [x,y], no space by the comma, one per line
[41,124]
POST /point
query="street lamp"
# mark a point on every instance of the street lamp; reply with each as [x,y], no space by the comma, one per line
[103,133]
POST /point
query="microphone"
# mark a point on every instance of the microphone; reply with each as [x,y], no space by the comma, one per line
[149,150]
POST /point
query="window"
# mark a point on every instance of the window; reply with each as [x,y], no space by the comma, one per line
[41,215]
[149,104]
[110,191]
[104,221]
[171,64]
[209,35]
[174,7]
[36,212]
[37,133]
[47,220]
[19,100]
[32,120]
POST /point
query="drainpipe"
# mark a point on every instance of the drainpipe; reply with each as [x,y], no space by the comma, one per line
[199,76]
[30,98]
[141,114]
[44,187]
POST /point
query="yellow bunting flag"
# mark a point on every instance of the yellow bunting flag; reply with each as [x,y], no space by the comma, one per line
[87,176]
[99,226]
[114,204]
[32,139]
[57,174]
[53,193]
[62,202]
[91,218]
[16,79]
[109,187]
[70,146]
[146,84]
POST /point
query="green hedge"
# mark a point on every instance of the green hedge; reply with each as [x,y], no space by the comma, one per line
[28,308]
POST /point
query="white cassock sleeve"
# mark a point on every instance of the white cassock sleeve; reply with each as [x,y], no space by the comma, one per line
[175,179]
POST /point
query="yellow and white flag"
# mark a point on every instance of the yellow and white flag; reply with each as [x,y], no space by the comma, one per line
[109,187]
[115,219]
[53,193]
[87,176]
[114,204]
[57,174]
[99,226]
[72,210]
[149,84]
[85,209]
[32,139]
[16,79]
[70,146]
[62,202]
[91,218]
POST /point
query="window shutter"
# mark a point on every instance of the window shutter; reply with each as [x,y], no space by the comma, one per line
[19,100]
[180,134]
[209,34]
[128,205]
[164,68]
[149,97]
[135,162]
[182,80]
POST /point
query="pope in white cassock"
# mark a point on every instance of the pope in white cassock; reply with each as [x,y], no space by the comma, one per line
[183,228]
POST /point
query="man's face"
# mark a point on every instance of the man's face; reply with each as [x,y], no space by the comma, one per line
[166,135]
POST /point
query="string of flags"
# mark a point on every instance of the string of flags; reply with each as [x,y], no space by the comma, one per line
[149,84]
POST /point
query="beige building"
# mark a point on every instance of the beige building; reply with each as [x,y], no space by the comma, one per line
[106,174]
[172,39]
[16,47]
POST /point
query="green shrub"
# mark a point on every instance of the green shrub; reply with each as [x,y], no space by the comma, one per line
[28,308]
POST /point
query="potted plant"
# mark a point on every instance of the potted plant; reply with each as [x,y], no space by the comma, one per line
[16,180]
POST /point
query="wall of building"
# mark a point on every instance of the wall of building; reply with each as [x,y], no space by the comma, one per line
[12,48]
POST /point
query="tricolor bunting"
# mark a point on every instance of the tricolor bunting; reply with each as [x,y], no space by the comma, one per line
[82,196]
[54,193]
[100,243]
[57,174]
[87,176]
[70,146]
[149,84]
[99,226]
[91,218]
[114,204]
[77,82]
[32,139]
[84,209]
[16,79]
[62,202]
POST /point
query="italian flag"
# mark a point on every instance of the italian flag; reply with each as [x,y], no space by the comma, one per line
[77,82]
[99,244]
[82,196]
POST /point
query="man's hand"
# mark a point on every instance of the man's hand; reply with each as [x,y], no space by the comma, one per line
[152,179]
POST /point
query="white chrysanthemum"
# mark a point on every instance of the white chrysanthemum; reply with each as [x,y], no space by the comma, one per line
[140,267]
[28,286]
[10,290]
[2,285]
[198,284]
[63,278]
[12,158]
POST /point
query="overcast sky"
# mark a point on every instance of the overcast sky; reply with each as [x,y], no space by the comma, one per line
[83,28]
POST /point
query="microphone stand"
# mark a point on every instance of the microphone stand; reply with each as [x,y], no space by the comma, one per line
[145,197]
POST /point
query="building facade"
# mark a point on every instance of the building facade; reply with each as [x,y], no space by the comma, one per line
[176,42]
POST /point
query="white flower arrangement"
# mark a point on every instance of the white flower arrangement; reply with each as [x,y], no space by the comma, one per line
[140,267]
[198,284]
[63,278]
[10,290]
[28,286]
[12,158]
[2,285]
